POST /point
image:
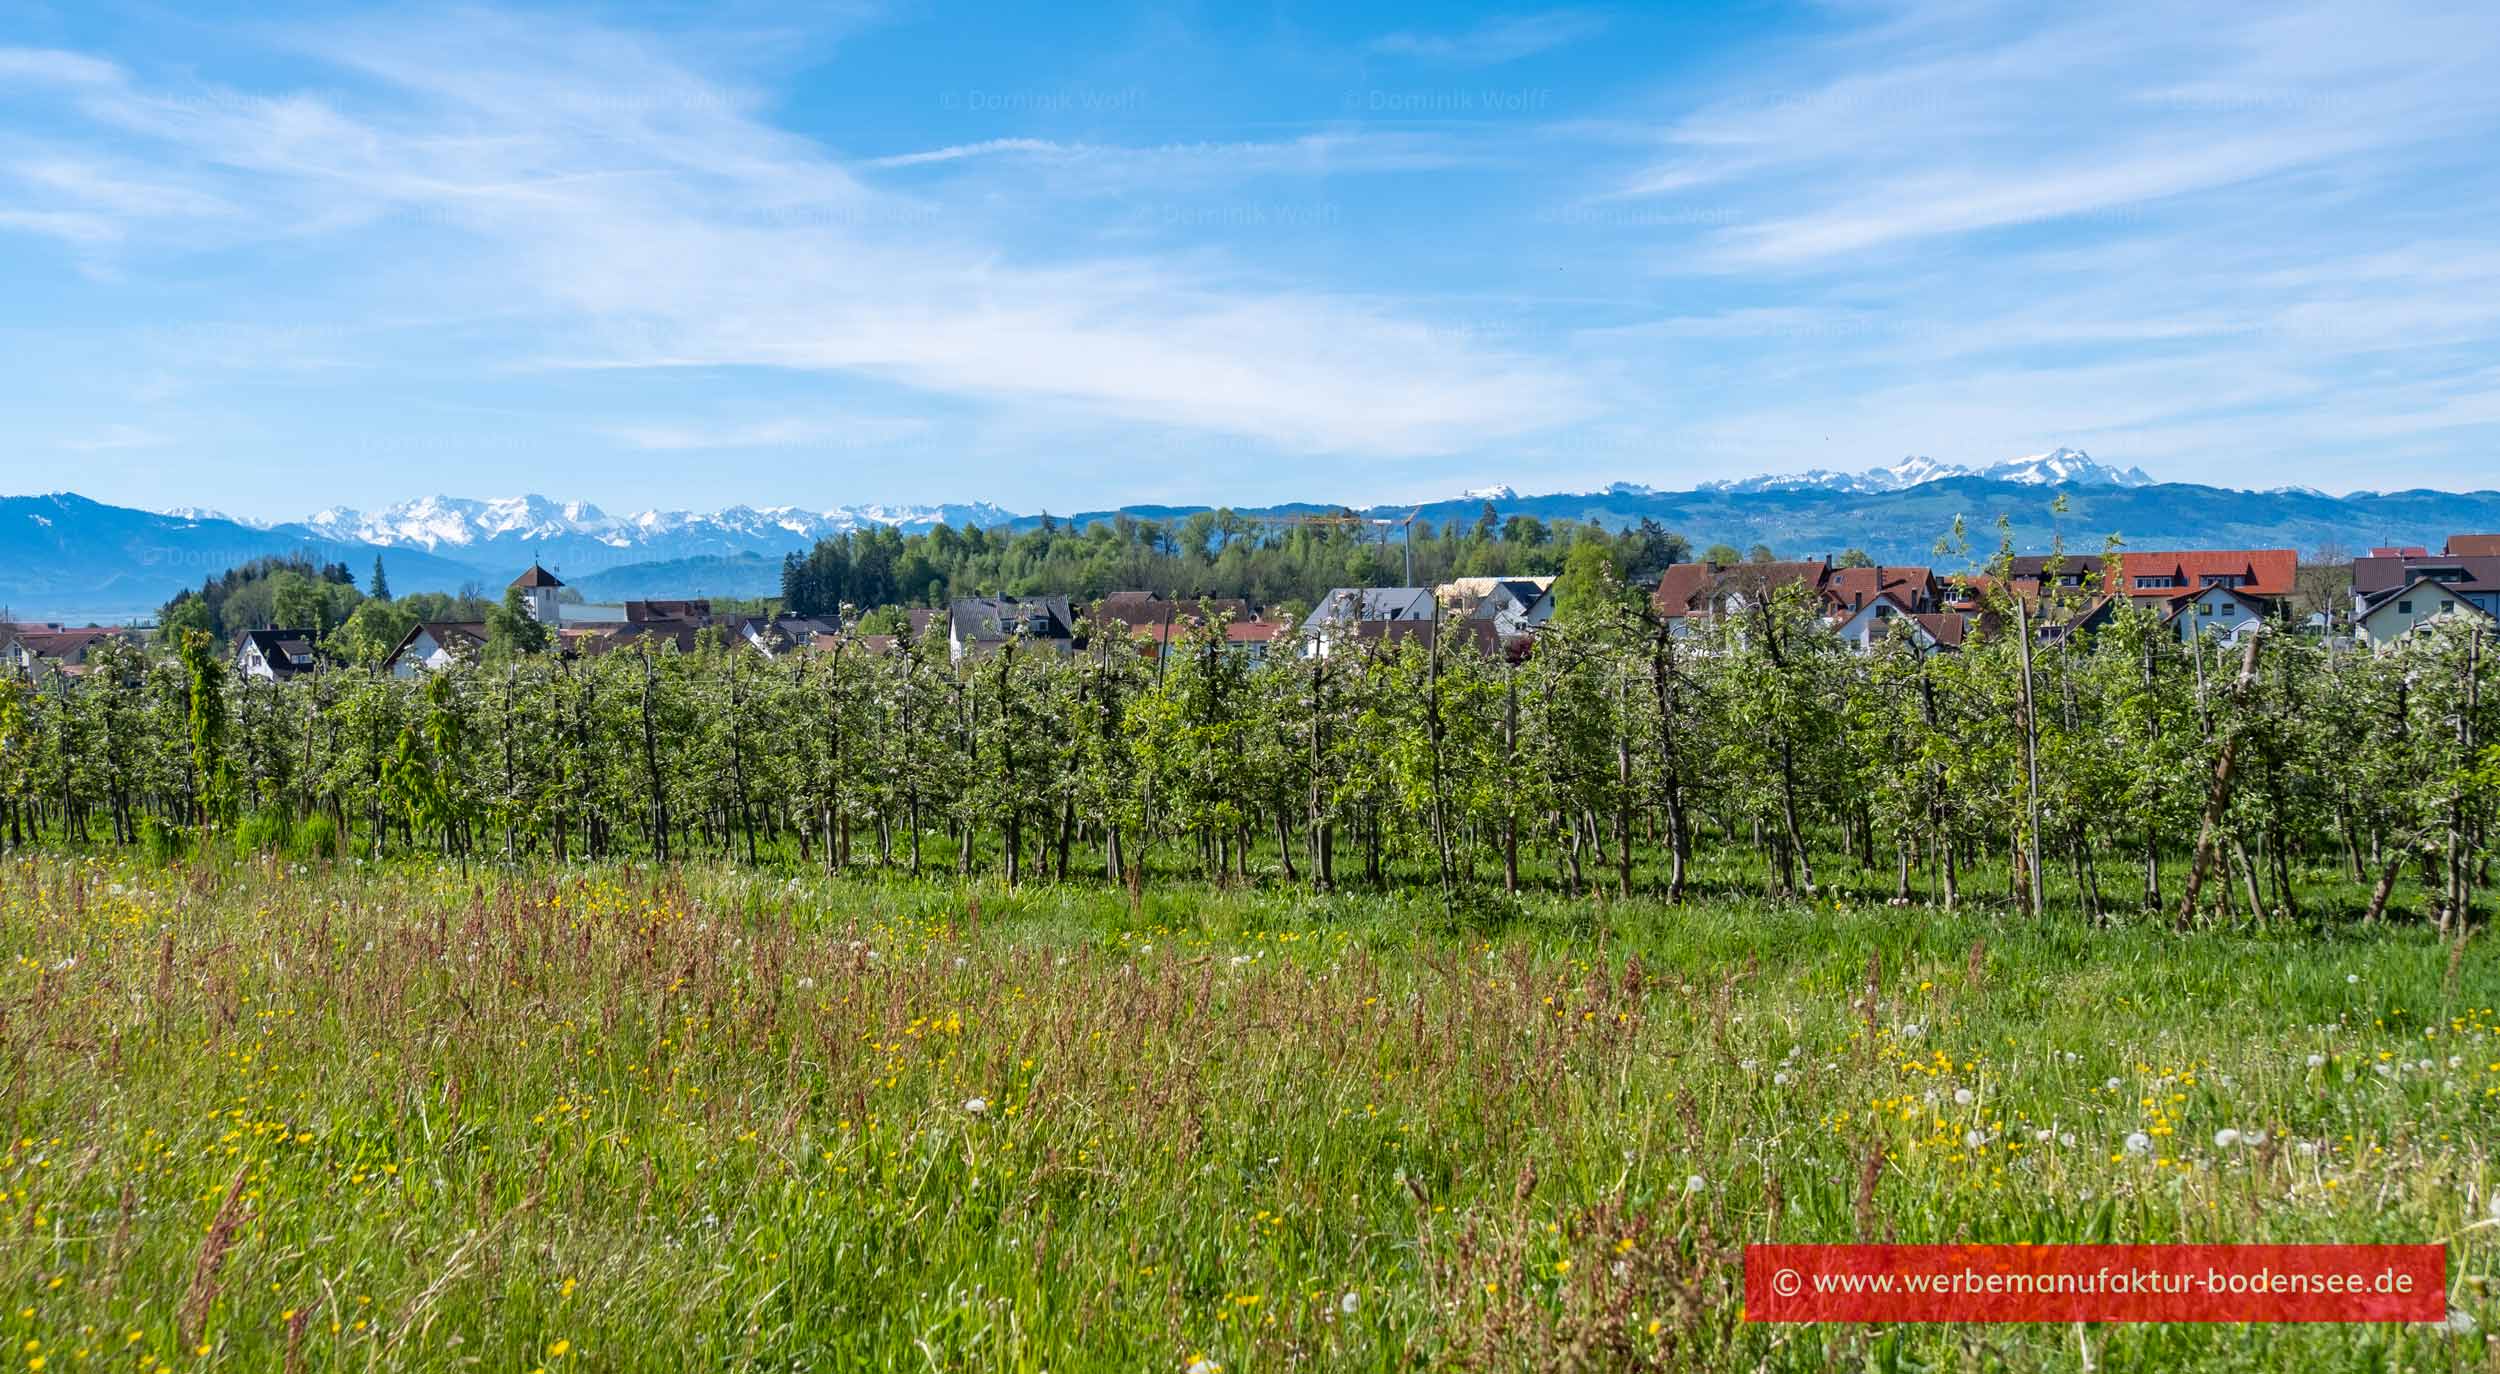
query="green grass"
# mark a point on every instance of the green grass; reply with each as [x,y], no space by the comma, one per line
[266,1116]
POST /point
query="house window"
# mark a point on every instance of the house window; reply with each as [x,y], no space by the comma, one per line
[2447,605]
[2404,608]
[2223,580]
[2157,581]
[2229,610]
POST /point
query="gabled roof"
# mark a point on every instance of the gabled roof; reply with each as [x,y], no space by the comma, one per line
[2423,585]
[2185,603]
[2472,546]
[68,645]
[1372,603]
[981,618]
[1687,588]
[1137,609]
[287,652]
[536,577]
[1944,627]
[638,612]
[2375,577]
[462,635]
[2270,572]
[1852,588]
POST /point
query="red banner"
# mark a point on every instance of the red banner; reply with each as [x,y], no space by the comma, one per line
[2096,1283]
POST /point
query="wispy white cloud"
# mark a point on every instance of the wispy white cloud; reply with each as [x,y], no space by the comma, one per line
[1317,154]
[780,432]
[1972,124]
[653,219]
[990,147]
[1504,39]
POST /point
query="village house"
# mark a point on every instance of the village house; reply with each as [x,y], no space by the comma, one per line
[1913,589]
[2227,613]
[2167,576]
[274,655]
[1877,622]
[1514,605]
[1477,635]
[980,625]
[782,634]
[1251,639]
[1345,608]
[435,645]
[33,650]
[2396,591]
[1136,610]
[1689,593]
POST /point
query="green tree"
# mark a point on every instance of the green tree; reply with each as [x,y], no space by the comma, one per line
[211,768]
[511,631]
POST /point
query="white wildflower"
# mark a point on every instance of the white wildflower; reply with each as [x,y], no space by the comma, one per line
[1695,1184]
[1346,1304]
[2226,1138]
[2317,1061]
[976,1105]
[1963,1097]
[2138,1142]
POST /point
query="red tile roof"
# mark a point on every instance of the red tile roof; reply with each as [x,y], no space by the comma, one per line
[2269,571]
[1685,588]
[2473,546]
[1852,589]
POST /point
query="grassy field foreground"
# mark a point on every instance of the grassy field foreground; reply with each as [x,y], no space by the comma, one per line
[265,1118]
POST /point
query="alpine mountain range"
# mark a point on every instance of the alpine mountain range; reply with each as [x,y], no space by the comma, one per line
[68,558]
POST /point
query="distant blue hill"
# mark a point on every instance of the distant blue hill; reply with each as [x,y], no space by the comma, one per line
[64,557]
[67,557]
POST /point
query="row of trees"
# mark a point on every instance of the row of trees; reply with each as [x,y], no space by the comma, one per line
[2115,772]
[1209,553]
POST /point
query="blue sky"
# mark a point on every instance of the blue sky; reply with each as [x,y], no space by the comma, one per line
[269,258]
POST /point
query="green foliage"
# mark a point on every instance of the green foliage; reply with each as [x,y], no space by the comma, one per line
[627,1118]
[511,631]
[313,839]
[261,832]
[276,592]
[1209,553]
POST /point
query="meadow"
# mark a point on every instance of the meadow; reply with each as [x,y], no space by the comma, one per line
[264,1115]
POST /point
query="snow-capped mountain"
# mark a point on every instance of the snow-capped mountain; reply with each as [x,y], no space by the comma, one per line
[462,525]
[2057,467]
[196,514]
[1499,491]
